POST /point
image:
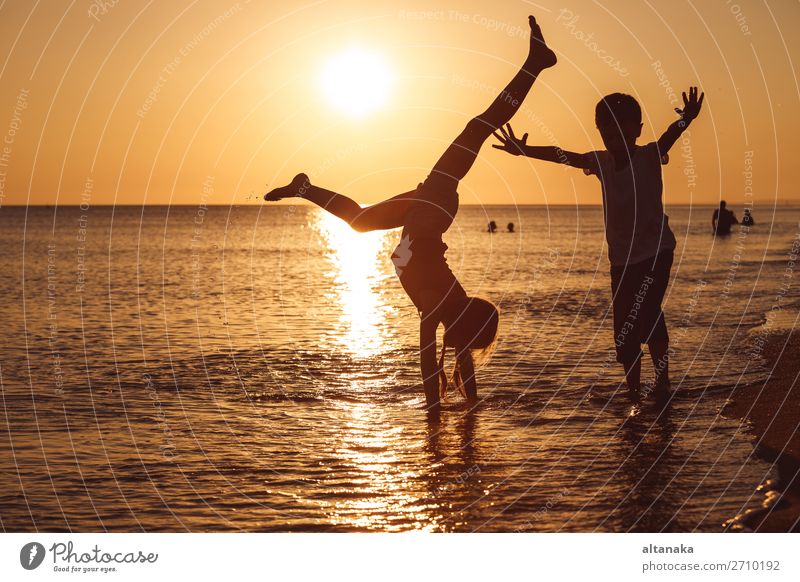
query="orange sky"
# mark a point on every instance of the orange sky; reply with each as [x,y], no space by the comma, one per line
[213,101]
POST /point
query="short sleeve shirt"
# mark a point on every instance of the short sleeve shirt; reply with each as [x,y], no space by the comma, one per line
[636,226]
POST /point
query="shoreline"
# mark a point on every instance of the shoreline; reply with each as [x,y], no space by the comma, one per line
[772,409]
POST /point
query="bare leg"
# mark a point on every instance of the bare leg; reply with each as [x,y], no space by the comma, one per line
[384,215]
[659,353]
[633,378]
[452,166]
[459,157]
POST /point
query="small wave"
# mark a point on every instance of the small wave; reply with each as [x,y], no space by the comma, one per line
[283,397]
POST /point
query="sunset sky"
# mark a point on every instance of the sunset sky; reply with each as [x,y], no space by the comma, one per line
[182,102]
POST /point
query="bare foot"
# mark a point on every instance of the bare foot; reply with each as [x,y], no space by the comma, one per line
[297,187]
[635,394]
[541,56]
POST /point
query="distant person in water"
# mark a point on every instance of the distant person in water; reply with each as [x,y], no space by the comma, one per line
[723,219]
[470,323]
[747,219]
[510,227]
[640,241]
[491,227]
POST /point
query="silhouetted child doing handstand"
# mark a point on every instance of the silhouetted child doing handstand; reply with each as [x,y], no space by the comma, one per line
[470,323]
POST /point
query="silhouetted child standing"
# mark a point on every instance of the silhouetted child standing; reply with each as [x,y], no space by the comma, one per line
[640,242]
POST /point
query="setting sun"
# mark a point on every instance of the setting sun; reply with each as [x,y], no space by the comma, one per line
[356,82]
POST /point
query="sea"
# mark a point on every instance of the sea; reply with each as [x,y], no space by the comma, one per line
[256,368]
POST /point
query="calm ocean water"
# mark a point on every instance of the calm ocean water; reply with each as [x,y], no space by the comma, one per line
[255,368]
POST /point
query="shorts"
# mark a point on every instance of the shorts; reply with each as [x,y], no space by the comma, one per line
[637,292]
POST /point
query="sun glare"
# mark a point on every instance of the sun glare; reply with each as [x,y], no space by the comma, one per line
[355,258]
[356,82]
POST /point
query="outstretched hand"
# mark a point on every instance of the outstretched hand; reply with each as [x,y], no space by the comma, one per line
[691,105]
[509,142]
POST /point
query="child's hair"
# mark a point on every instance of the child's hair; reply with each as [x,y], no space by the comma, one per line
[475,329]
[617,109]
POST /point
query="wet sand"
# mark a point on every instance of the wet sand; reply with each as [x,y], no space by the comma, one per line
[773,411]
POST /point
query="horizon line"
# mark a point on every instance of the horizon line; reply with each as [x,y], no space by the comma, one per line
[508,204]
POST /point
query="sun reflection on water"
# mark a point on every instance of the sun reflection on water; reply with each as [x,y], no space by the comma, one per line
[373,446]
[388,481]
[358,270]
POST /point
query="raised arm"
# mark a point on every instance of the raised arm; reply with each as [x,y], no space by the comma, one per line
[519,147]
[691,109]
[467,368]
